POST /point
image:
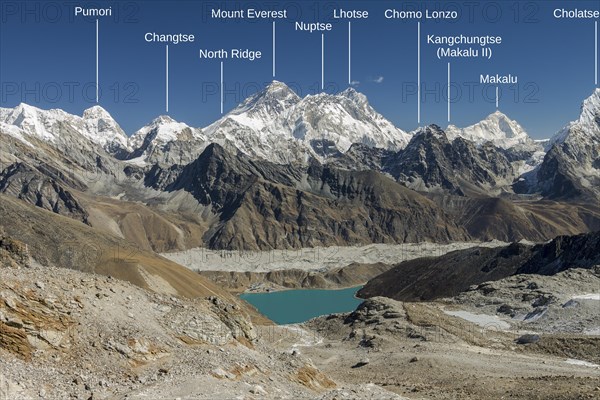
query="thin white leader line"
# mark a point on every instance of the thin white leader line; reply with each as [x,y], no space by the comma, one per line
[167,78]
[496,97]
[273,49]
[322,61]
[448,92]
[349,53]
[221,87]
[97,85]
[418,72]
[596,52]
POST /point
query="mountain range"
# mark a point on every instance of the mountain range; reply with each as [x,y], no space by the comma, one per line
[281,171]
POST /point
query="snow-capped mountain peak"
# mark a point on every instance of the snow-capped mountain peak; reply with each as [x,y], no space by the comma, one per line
[496,128]
[279,89]
[505,133]
[165,140]
[355,96]
[24,110]
[96,112]
[103,129]
[163,129]
[590,109]
[32,121]
[162,120]
[345,118]
[588,123]
[574,155]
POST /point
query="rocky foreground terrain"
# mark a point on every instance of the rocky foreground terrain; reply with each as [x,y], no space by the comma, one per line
[420,351]
[71,334]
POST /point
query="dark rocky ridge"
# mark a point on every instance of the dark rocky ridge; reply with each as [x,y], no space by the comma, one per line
[41,188]
[459,167]
[432,163]
[453,273]
[559,176]
[564,252]
[264,205]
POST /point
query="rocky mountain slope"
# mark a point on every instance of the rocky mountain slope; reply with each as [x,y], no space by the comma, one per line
[489,218]
[153,345]
[437,162]
[566,302]
[430,278]
[222,204]
[84,248]
[580,251]
[571,168]
[431,162]
[166,141]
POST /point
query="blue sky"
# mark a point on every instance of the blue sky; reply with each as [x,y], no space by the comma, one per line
[47,58]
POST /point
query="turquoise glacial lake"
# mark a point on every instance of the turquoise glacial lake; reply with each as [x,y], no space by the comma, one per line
[294,306]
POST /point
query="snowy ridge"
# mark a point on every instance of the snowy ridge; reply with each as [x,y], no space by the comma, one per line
[345,119]
[257,126]
[278,125]
[165,140]
[274,124]
[101,128]
[24,122]
[32,121]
